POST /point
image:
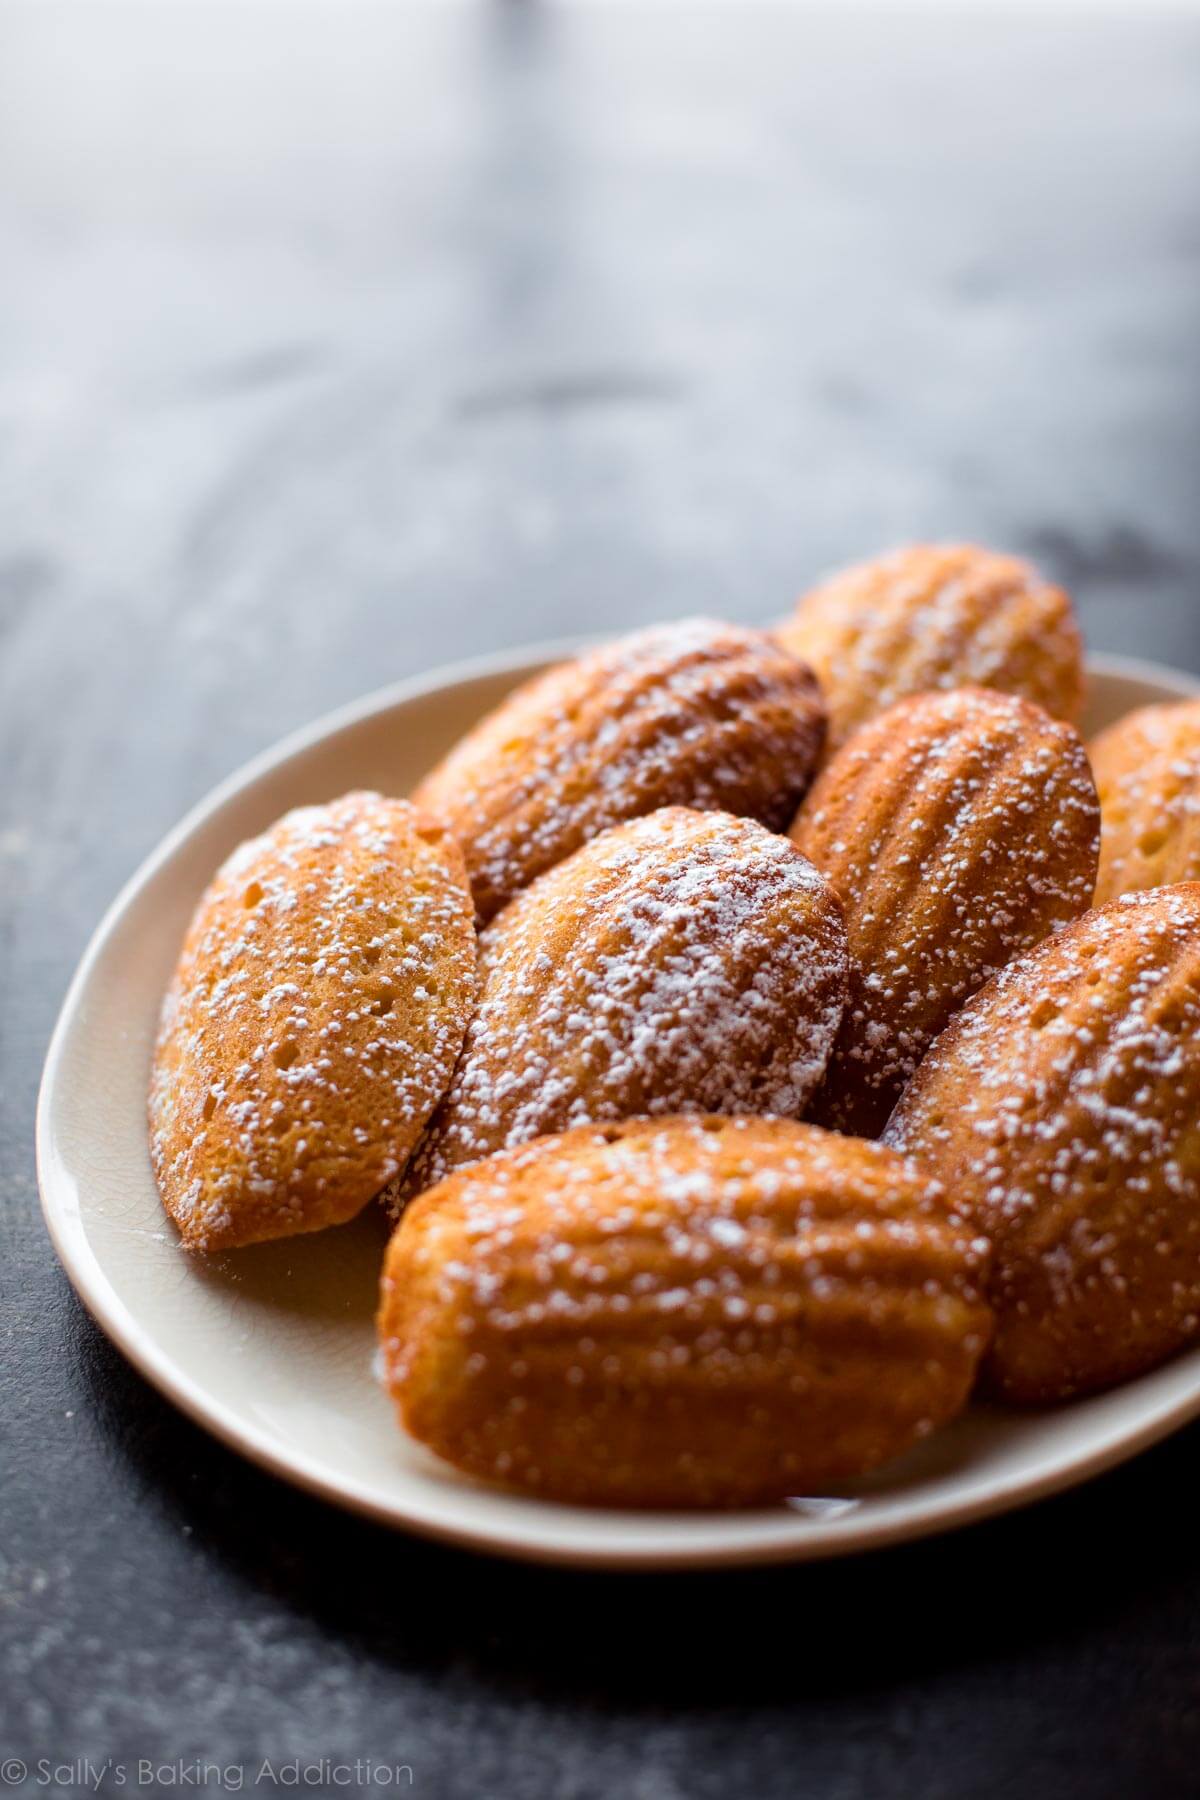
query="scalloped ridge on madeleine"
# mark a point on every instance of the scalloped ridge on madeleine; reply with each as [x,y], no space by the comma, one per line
[937,616]
[312,1023]
[1147,769]
[693,714]
[681,1312]
[687,961]
[957,830]
[1062,1107]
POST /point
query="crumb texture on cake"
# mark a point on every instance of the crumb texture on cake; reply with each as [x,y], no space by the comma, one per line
[682,1312]
[937,616]
[1062,1107]
[685,961]
[312,1023]
[958,829]
[696,713]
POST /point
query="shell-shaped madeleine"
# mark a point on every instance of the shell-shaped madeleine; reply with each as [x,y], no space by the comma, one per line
[937,616]
[681,1312]
[683,962]
[692,714]
[1063,1107]
[958,830]
[1147,769]
[312,1022]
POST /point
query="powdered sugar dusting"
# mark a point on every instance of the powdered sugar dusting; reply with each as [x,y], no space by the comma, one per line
[682,1311]
[1064,1103]
[686,961]
[937,616]
[695,713]
[958,830]
[313,1021]
[1148,773]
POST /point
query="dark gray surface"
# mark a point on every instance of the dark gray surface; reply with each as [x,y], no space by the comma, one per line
[334,344]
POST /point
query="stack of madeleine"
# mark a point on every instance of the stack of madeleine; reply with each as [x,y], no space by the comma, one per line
[763,1042]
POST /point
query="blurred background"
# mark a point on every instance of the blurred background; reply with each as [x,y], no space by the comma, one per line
[338,341]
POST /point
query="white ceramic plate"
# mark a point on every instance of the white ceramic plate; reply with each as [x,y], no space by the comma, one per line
[271,1348]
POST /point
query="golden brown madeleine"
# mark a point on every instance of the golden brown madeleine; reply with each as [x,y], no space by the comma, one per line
[958,830]
[681,1312]
[1148,773]
[937,616]
[684,962]
[1063,1106]
[312,1022]
[692,714]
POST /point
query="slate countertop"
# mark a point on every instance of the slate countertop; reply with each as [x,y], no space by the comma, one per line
[338,342]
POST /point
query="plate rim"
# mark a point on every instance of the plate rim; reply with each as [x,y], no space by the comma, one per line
[504,1538]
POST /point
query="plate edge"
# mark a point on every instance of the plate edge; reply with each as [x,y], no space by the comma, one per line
[112,1320]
